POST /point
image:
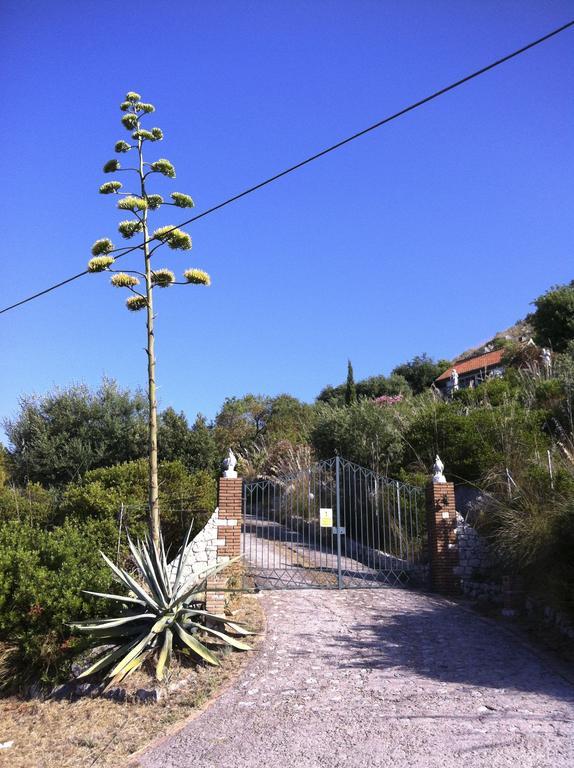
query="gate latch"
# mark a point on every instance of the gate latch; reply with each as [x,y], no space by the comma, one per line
[340,531]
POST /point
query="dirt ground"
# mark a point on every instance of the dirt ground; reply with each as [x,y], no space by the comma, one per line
[98,732]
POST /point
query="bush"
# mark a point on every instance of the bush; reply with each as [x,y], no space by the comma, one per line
[57,437]
[531,527]
[183,496]
[367,389]
[364,432]
[32,504]
[421,372]
[473,440]
[42,574]
[553,319]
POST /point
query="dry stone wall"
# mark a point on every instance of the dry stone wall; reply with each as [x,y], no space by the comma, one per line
[201,552]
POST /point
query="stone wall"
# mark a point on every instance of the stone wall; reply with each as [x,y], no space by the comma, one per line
[474,556]
[202,550]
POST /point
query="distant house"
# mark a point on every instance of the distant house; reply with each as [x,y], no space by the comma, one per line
[470,372]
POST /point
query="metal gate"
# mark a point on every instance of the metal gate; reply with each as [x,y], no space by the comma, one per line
[334,525]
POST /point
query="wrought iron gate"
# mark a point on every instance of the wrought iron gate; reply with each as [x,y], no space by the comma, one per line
[333,525]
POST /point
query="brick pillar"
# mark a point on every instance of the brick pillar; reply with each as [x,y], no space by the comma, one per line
[230,504]
[443,548]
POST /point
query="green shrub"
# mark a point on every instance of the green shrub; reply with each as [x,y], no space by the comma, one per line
[473,440]
[32,504]
[183,496]
[42,574]
[364,432]
[553,319]
[531,527]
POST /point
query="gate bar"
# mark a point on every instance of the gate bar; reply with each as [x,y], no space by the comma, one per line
[337,474]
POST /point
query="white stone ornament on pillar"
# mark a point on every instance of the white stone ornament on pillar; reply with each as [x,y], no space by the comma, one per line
[438,467]
[228,465]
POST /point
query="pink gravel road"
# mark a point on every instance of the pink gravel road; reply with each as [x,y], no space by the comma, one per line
[382,677]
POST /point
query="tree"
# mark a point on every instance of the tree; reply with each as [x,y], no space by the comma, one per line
[244,422]
[241,421]
[194,446]
[362,432]
[140,204]
[421,371]
[553,320]
[369,388]
[58,437]
[350,389]
[289,419]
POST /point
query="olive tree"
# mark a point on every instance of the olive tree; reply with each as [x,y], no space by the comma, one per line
[141,282]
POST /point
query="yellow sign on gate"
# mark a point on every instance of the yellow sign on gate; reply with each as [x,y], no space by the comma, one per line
[326,517]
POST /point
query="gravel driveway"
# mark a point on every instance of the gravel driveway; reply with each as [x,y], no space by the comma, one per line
[381,677]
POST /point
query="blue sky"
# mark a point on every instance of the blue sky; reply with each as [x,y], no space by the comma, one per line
[428,235]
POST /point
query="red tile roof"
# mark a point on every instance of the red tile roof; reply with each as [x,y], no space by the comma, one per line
[478,363]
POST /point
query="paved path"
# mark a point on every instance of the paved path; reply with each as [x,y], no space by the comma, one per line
[389,677]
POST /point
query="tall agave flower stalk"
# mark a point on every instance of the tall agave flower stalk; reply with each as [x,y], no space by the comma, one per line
[140,204]
[161,613]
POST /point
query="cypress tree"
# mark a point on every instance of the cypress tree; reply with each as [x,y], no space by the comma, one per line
[351,389]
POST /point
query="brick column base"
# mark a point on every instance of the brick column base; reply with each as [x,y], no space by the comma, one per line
[230,504]
[443,548]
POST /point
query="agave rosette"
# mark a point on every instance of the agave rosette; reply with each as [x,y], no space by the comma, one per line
[162,613]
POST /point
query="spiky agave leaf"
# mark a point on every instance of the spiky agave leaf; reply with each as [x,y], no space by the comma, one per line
[170,620]
[197,277]
[100,263]
[135,303]
[175,238]
[110,596]
[163,166]
[164,658]
[128,581]
[232,641]
[163,278]
[123,280]
[194,645]
[110,187]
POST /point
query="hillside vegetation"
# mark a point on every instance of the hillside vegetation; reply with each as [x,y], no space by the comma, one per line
[75,467]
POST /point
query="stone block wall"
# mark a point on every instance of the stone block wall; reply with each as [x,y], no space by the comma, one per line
[201,552]
[473,551]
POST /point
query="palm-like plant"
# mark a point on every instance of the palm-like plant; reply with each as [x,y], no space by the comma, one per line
[161,612]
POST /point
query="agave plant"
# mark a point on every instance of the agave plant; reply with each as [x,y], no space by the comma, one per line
[162,612]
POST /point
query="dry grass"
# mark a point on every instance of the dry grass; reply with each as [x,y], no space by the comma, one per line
[98,732]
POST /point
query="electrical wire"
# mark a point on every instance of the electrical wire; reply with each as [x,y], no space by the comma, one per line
[317,155]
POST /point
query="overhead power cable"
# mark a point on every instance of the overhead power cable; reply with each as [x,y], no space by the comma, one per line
[317,155]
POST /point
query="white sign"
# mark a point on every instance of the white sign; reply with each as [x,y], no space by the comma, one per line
[326,517]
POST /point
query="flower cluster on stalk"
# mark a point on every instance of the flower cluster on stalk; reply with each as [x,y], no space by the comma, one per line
[140,204]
